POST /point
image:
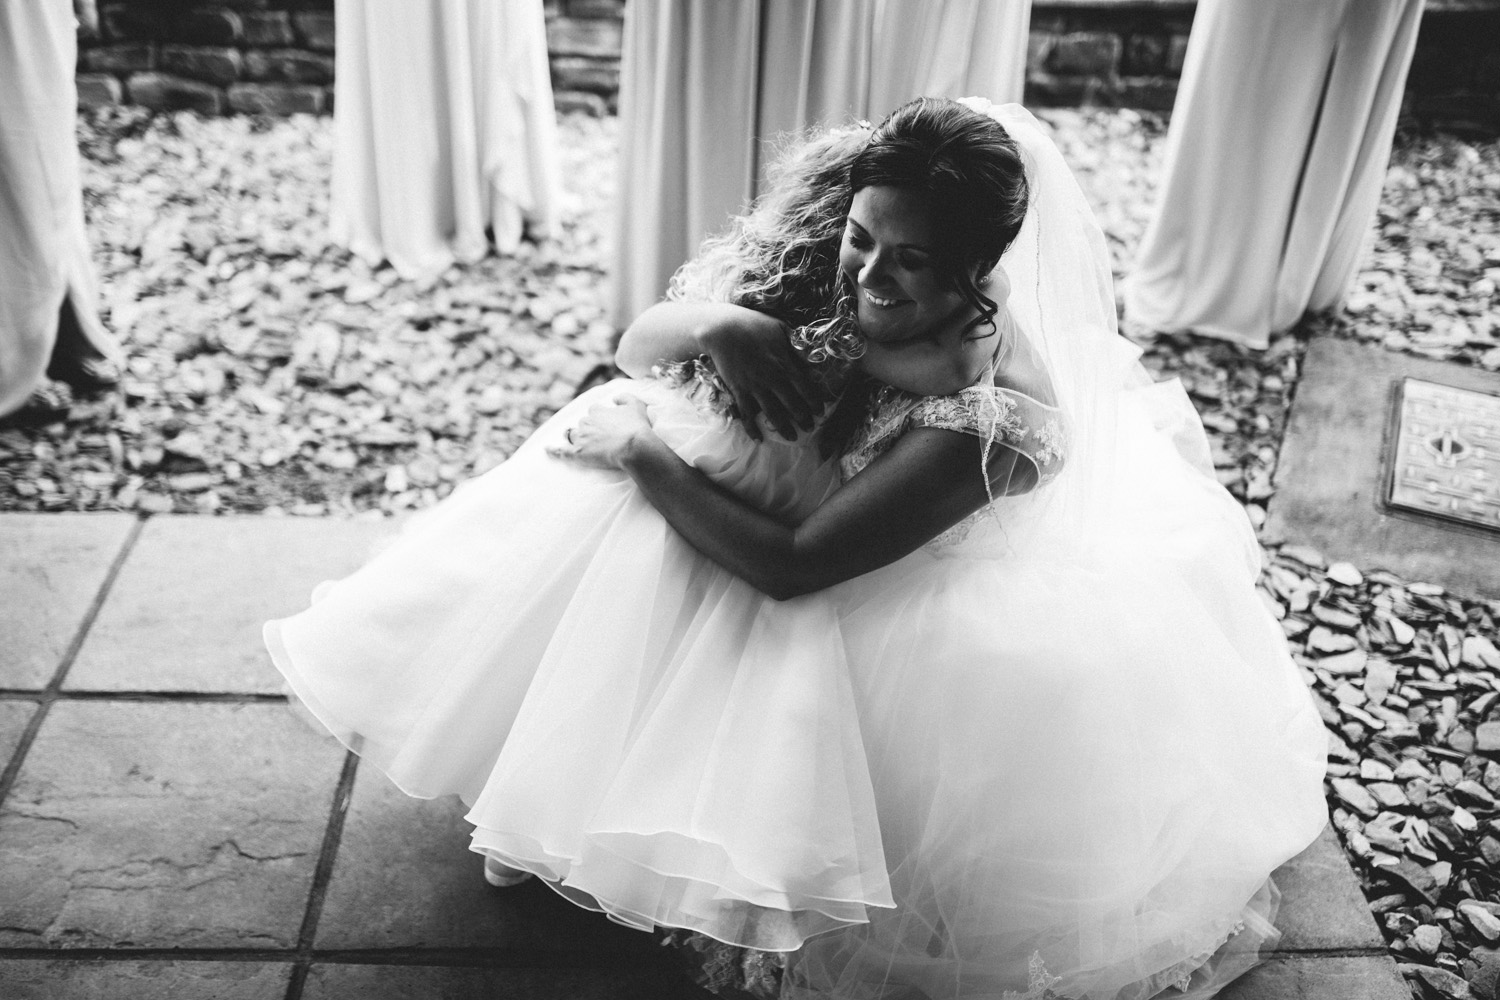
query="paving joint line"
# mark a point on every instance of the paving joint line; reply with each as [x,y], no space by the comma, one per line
[475,958]
[1364,951]
[322,875]
[49,695]
[208,697]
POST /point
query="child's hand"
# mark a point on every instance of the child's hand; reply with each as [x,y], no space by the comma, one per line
[764,375]
[607,434]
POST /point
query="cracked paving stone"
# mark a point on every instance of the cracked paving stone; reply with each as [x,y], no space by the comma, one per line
[51,568]
[186,611]
[62,979]
[377,982]
[164,825]
[405,878]
[14,715]
[1319,977]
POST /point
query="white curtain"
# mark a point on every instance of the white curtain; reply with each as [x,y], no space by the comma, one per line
[707,85]
[1274,161]
[44,252]
[445,127]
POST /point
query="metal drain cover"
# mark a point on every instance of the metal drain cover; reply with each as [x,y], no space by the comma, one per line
[1445,460]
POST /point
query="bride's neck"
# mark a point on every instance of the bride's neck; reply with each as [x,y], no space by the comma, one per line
[948,360]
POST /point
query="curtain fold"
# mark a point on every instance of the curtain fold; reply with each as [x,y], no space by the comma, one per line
[708,85]
[444,128]
[44,247]
[1273,165]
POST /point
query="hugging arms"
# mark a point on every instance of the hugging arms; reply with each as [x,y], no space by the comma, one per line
[903,232]
[927,481]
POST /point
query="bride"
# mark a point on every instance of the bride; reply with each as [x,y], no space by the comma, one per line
[990,708]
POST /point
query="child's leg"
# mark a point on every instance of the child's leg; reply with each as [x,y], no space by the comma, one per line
[498,874]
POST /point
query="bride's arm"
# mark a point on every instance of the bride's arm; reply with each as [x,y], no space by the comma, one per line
[750,351]
[927,482]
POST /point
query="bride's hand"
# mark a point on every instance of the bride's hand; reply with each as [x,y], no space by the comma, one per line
[608,434]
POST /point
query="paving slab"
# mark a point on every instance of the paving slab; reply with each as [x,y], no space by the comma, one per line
[186,612]
[1330,476]
[164,825]
[405,878]
[386,982]
[14,715]
[1320,977]
[1322,907]
[62,979]
[51,568]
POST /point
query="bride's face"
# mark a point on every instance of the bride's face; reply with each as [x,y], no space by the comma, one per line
[889,255]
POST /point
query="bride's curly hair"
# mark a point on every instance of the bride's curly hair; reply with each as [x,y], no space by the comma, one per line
[782,257]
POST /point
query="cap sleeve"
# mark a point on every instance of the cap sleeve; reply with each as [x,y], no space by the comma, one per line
[1011,419]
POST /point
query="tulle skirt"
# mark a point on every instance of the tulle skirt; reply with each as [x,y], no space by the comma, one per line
[980,769]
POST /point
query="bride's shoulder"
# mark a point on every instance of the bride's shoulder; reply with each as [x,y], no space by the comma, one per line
[919,368]
[1024,373]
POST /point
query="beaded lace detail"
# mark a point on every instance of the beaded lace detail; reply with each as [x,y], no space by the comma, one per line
[994,414]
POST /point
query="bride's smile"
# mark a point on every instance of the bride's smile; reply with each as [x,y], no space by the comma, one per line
[890,256]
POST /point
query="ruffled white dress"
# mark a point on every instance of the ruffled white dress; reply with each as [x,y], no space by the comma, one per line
[1006,757]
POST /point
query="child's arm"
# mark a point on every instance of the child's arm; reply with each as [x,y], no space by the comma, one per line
[749,349]
[928,481]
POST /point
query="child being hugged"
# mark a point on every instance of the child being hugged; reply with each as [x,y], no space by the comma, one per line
[894,624]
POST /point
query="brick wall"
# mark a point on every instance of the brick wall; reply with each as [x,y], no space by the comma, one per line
[1122,54]
[583,40]
[276,56]
[211,56]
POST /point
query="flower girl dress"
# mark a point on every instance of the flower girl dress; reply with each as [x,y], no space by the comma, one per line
[1060,748]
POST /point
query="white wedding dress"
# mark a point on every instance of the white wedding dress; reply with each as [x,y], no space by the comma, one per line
[1026,754]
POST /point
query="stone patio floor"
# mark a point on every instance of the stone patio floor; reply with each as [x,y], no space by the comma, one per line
[168,828]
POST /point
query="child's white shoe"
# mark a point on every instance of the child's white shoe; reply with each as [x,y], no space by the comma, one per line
[503,875]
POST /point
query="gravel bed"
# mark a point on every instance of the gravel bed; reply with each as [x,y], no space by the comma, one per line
[1407,678]
[269,371]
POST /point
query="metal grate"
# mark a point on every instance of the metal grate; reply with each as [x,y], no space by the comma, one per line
[1446,458]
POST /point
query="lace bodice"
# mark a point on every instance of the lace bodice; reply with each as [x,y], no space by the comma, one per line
[994,414]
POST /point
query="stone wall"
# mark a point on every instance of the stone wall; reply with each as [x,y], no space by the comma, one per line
[211,56]
[1122,54]
[583,40]
[276,56]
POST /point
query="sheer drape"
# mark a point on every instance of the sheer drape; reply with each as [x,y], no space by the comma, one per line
[707,83]
[1274,161]
[445,128]
[44,252]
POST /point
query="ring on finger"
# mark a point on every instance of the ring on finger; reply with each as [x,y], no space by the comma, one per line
[568,435]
